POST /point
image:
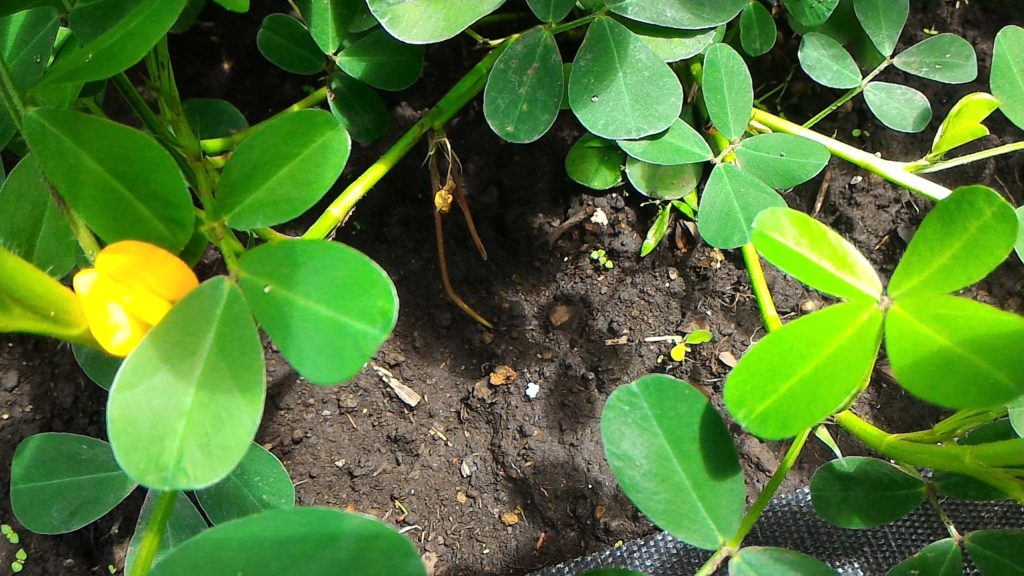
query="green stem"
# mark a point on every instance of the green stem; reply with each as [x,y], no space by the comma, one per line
[894,172]
[84,236]
[577,22]
[933,499]
[849,95]
[214,146]
[759,285]
[954,426]
[10,95]
[926,167]
[141,109]
[712,564]
[155,529]
[464,90]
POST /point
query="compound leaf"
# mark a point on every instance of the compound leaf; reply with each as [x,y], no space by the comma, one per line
[859,492]
[728,90]
[731,200]
[945,58]
[524,89]
[899,107]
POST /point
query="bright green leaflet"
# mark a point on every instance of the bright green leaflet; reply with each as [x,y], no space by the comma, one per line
[119,47]
[234,5]
[1016,413]
[61,482]
[757,29]
[781,160]
[791,379]
[595,163]
[811,13]
[663,182]
[97,365]
[89,19]
[672,44]
[656,233]
[1007,74]
[184,523]
[662,436]
[961,240]
[32,302]
[295,541]
[551,10]
[815,255]
[26,39]
[213,118]
[287,44]
[282,169]
[404,19]
[619,88]
[524,88]
[731,200]
[955,352]
[187,402]
[899,107]
[325,305]
[118,179]
[13,6]
[827,62]
[946,58]
[259,483]
[859,492]
[765,561]
[963,124]
[942,558]
[728,91]
[680,144]
[358,109]
[883,20]
[33,226]
[328,21]
[688,15]
[1019,245]
[382,62]
[997,552]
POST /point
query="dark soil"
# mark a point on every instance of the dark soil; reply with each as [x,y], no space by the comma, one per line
[483,479]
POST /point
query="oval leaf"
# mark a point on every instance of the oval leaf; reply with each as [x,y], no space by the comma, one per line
[595,163]
[524,89]
[687,15]
[946,58]
[25,37]
[99,366]
[731,200]
[282,169]
[859,492]
[810,13]
[1007,75]
[764,561]
[328,20]
[259,483]
[805,371]
[213,118]
[997,552]
[619,88]
[672,44]
[382,62]
[61,482]
[883,20]
[34,227]
[680,144]
[757,29]
[728,91]
[781,160]
[429,21]
[358,109]
[1019,245]
[663,182]
[827,62]
[184,523]
[899,107]
[955,352]
[166,410]
[815,255]
[942,558]
[119,180]
[325,305]
[961,240]
[963,124]
[662,436]
[287,44]
[551,10]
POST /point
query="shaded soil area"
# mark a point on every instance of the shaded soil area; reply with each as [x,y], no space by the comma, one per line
[482,477]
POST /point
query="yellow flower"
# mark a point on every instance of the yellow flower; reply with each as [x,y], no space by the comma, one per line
[131,288]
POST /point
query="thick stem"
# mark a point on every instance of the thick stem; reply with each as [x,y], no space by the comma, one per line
[214,146]
[759,285]
[849,95]
[10,95]
[712,564]
[155,529]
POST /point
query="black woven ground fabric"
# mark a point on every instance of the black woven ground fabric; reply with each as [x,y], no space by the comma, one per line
[790,522]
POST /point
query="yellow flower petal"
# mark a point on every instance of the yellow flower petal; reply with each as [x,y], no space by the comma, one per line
[145,267]
[110,322]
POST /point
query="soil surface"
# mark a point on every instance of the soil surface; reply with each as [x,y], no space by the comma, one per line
[482,477]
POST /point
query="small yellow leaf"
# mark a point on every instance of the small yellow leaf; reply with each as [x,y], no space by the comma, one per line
[678,352]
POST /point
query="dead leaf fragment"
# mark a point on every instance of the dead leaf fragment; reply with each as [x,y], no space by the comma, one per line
[727,358]
[503,375]
[481,390]
[509,518]
[404,393]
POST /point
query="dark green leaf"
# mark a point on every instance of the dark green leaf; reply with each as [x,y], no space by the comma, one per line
[781,160]
[524,89]
[883,20]
[1007,76]
[827,62]
[61,482]
[728,91]
[731,200]
[680,144]
[656,233]
[859,492]
[899,107]
[26,39]
[259,483]
[551,10]
[763,561]
[811,13]
[184,523]
[942,558]
[946,58]
[328,21]
[963,487]
[429,21]
[14,6]
[595,163]
[662,436]
[89,19]
[382,62]
[287,44]
[663,182]
[757,29]
[234,5]
[997,552]
[963,124]
[673,44]
[358,109]
[97,365]
[213,118]
[33,227]
[325,305]
[190,14]
[688,15]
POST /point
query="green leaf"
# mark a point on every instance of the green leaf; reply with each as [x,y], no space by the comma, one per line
[429,21]
[295,541]
[955,352]
[33,302]
[997,552]
[119,180]
[963,124]
[672,44]
[827,62]
[656,233]
[764,561]
[382,62]
[815,255]
[187,402]
[1007,74]
[942,558]
[328,21]
[26,39]
[61,482]
[286,43]
[325,305]
[89,19]
[551,10]
[728,91]
[120,46]
[663,182]
[961,240]
[811,13]
[99,366]
[282,169]
[805,371]
[619,88]
[662,436]
[33,226]
[883,20]
[595,163]
[963,487]
[1016,413]
[1019,245]
[524,88]
[781,160]
[757,29]
[859,492]
[899,107]
[259,483]
[14,6]
[680,144]
[688,15]
[945,58]
[731,200]
[184,523]
[358,109]
[213,118]
[234,5]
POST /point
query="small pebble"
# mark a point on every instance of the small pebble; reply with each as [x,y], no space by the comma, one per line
[297,436]
[9,381]
[532,390]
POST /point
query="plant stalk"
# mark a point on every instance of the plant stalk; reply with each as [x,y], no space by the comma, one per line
[154,533]
[10,95]
[849,95]
[214,146]
[759,285]
[712,564]
[141,109]
[929,167]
